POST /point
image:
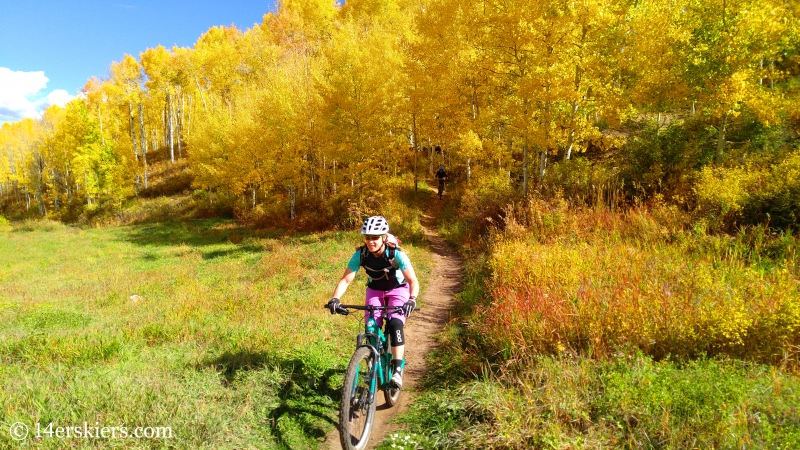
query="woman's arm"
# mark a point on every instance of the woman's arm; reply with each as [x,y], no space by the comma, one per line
[411,279]
[345,281]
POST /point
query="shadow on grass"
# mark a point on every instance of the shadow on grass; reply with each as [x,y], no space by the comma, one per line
[307,400]
[197,234]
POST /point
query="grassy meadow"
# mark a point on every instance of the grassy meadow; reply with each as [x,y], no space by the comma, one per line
[214,330]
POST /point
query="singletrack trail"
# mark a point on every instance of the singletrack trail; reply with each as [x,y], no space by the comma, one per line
[437,301]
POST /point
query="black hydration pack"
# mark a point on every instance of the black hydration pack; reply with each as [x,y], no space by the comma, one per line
[381,270]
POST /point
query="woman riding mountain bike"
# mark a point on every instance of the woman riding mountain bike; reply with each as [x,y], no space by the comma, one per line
[392,282]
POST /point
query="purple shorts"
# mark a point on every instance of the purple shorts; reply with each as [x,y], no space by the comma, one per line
[396,297]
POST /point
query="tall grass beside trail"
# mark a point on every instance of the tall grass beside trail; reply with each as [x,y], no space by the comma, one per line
[594,282]
[630,402]
[207,327]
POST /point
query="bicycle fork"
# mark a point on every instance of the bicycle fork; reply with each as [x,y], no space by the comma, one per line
[374,374]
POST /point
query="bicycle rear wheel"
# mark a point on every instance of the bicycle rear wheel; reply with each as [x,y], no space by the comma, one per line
[356,411]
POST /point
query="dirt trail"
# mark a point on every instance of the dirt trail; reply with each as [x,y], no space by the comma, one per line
[437,301]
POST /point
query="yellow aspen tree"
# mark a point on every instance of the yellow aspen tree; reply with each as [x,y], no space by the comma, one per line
[358,99]
[723,56]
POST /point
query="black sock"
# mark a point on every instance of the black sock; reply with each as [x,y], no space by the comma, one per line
[397,366]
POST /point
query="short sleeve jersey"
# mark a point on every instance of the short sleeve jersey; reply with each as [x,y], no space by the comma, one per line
[400,259]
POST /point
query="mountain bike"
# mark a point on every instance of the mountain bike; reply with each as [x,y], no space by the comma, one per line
[369,369]
[441,187]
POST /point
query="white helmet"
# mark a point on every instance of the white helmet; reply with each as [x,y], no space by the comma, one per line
[375,226]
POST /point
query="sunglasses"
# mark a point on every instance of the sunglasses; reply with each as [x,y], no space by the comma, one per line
[372,238]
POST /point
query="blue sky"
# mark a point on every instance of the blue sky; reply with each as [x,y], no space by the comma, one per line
[49,48]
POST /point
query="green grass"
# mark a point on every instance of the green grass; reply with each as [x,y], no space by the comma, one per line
[214,330]
[625,402]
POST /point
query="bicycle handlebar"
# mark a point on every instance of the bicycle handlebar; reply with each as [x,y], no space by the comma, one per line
[343,309]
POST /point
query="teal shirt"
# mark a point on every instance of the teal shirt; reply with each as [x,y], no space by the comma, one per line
[400,259]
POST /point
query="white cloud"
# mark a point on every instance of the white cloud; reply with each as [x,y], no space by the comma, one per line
[23,94]
[59,97]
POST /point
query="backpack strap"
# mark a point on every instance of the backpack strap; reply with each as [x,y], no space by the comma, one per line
[392,250]
[363,254]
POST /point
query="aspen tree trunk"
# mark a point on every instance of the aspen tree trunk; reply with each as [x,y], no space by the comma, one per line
[542,164]
[334,177]
[254,197]
[469,169]
[40,199]
[100,120]
[69,188]
[40,182]
[548,117]
[88,196]
[570,143]
[291,202]
[721,140]
[430,157]
[164,126]
[189,116]
[178,113]
[143,141]
[171,129]
[133,131]
[55,188]
[525,166]
[414,148]
[202,97]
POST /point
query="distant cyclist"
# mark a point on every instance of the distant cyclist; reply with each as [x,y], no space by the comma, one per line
[391,278]
[441,175]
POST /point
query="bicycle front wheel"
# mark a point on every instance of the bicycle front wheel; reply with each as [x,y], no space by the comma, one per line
[356,411]
[392,395]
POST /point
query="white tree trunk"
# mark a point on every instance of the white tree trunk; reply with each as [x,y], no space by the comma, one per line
[100,119]
[542,164]
[143,141]
[525,167]
[291,203]
[171,124]
[133,130]
[721,140]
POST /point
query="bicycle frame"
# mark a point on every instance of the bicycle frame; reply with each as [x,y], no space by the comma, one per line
[374,339]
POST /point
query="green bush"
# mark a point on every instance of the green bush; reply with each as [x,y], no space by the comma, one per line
[751,194]
[659,159]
